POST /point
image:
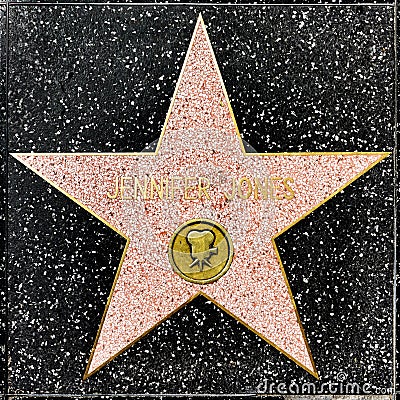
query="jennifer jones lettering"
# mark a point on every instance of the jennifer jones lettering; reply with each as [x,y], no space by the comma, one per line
[194,188]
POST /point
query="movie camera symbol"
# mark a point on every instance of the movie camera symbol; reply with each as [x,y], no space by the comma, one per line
[201,249]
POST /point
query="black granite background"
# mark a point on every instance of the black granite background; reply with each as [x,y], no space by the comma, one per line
[100,78]
[397,192]
[3,203]
[224,2]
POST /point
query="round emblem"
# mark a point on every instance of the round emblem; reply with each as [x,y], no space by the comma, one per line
[200,251]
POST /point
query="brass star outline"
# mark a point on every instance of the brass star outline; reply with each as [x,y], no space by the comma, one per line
[141,154]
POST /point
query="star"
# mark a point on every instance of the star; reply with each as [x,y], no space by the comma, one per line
[200,142]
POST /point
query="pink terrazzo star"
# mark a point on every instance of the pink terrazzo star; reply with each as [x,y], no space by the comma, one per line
[200,138]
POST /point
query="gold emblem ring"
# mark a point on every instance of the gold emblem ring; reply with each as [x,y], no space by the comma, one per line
[200,251]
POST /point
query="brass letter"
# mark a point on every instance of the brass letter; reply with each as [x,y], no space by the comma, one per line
[123,187]
[231,196]
[289,196]
[114,196]
[159,189]
[249,188]
[188,188]
[263,188]
[142,189]
[276,178]
[204,188]
[173,187]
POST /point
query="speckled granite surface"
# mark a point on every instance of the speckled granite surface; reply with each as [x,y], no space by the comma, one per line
[100,78]
[3,173]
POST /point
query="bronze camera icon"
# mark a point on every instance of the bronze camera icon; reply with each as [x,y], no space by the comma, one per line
[201,249]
